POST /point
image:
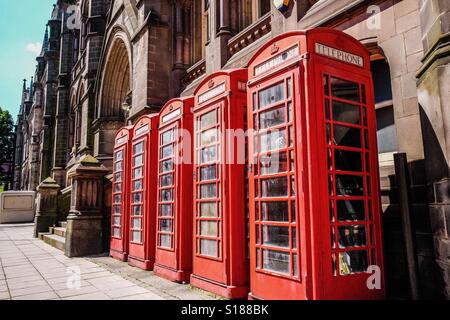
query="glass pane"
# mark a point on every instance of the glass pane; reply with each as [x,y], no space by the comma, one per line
[208,228]
[271,95]
[276,261]
[208,248]
[295,265]
[118,166]
[289,87]
[166,210]
[165,241]
[352,262]
[348,161]
[138,161]
[167,151]
[118,177]
[209,136]
[349,185]
[136,236]
[208,173]
[209,154]
[116,221]
[344,112]
[350,210]
[275,211]
[208,191]
[117,187]
[116,232]
[208,119]
[326,87]
[166,195]
[274,163]
[137,173]
[272,118]
[352,236]
[138,148]
[137,224]
[167,137]
[137,185]
[165,225]
[277,187]
[167,166]
[290,114]
[273,140]
[167,180]
[344,89]
[346,136]
[137,197]
[294,238]
[119,156]
[118,199]
[117,209]
[276,236]
[208,209]
[137,210]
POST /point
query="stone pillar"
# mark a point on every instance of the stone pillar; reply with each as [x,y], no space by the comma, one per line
[46,206]
[434,100]
[84,232]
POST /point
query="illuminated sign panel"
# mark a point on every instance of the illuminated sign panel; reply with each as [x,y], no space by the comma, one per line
[276,61]
[142,130]
[339,55]
[214,92]
[171,115]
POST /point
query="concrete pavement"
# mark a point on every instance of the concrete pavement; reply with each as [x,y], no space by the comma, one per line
[32,270]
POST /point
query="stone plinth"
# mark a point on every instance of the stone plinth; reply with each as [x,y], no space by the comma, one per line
[47,206]
[84,233]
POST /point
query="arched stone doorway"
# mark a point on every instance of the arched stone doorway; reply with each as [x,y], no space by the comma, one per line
[115,90]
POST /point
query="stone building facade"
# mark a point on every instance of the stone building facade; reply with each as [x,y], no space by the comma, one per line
[128,57]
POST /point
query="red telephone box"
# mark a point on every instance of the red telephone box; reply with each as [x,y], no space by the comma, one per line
[219,264]
[143,199]
[174,221]
[314,192]
[120,190]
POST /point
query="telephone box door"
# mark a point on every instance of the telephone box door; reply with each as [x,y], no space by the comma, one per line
[143,193]
[120,187]
[349,160]
[276,248]
[208,208]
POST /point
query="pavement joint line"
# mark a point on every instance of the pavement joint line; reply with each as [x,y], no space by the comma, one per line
[36,270]
[6,281]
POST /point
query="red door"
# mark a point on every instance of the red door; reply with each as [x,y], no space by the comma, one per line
[167,197]
[277,252]
[208,202]
[138,181]
[119,214]
[143,193]
[351,215]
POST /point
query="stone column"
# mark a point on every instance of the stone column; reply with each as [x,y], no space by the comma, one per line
[85,221]
[46,206]
[434,100]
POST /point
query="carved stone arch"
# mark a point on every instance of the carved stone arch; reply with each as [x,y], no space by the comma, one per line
[116,74]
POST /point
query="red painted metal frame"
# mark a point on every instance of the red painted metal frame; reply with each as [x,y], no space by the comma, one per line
[143,192]
[222,267]
[317,279]
[120,188]
[174,261]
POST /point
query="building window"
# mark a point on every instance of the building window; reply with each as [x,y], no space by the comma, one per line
[263,7]
[386,130]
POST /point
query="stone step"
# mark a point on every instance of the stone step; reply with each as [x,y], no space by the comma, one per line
[63,224]
[42,234]
[55,241]
[59,231]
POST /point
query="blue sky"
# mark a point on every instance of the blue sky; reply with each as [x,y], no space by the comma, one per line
[22,26]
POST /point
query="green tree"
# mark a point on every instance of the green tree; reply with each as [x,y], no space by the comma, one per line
[7,138]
